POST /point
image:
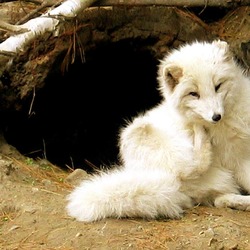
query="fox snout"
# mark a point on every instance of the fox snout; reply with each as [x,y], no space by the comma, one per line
[209,115]
[212,110]
[216,117]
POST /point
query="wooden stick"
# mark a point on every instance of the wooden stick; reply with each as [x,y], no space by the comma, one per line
[12,28]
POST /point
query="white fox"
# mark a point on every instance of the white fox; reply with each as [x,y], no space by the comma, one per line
[193,148]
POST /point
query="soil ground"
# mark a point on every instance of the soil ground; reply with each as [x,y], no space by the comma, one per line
[32,216]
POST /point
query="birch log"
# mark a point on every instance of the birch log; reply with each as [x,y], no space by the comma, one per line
[48,22]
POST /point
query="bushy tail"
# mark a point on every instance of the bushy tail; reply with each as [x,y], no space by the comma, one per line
[127,193]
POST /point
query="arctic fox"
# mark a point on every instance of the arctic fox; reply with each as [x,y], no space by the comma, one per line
[193,148]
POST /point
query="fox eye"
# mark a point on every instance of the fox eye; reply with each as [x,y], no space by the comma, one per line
[194,94]
[217,87]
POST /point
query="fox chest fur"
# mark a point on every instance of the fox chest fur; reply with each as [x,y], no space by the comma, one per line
[230,144]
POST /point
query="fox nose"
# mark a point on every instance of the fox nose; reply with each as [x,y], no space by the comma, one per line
[216,117]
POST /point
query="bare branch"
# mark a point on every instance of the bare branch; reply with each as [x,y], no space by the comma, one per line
[12,28]
[44,4]
[7,53]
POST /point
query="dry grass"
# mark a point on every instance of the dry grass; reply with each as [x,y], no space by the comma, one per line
[8,213]
[40,170]
[232,25]
[33,172]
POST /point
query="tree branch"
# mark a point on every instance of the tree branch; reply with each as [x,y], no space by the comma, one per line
[44,4]
[7,53]
[12,28]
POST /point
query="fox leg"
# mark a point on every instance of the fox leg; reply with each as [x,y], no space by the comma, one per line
[143,146]
[202,155]
[236,201]
[202,150]
[242,176]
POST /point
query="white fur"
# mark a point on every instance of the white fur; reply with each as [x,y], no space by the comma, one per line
[124,193]
[192,148]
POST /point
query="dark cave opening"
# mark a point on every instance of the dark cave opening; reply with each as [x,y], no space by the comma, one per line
[76,116]
[210,14]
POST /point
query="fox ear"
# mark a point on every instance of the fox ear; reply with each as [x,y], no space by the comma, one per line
[224,46]
[172,75]
[221,44]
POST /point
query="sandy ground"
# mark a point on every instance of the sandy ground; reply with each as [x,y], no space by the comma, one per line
[32,216]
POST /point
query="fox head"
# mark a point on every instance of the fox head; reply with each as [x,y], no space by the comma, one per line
[200,80]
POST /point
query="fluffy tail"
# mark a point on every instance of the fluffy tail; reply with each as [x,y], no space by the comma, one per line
[127,193]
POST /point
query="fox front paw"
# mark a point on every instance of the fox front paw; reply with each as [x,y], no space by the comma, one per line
[202,150]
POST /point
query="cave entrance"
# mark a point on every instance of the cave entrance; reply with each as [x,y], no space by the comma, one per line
[76,116]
